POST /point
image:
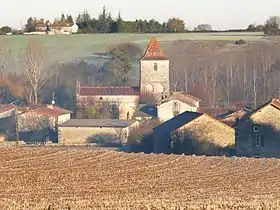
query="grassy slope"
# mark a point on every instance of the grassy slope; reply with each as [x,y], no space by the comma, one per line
[67,48]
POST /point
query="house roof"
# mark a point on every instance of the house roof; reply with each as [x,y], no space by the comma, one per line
[216,112]
[6,107]
[153,51]
[177,122]
[113,123]
[180,120]
[272,102]
[49,111]
[183,97]
[146,110]
[109,90]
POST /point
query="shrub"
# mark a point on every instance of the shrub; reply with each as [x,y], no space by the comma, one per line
[240,42]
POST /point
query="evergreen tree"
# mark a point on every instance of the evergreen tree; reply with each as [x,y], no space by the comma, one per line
[62,19]
[30,26]
[120,24]
[103,22]
[70,19]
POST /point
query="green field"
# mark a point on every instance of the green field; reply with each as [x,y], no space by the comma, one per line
[65,48]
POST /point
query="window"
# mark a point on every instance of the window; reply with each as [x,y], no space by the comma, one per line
[258,140]
[125,134]
[155,66]
[256,128]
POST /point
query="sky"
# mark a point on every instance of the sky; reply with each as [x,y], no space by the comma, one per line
[221,14]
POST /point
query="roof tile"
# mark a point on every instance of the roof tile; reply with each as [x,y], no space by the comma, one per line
[153,51]
[185,98]
[108,90]
[48,111]
[6,108]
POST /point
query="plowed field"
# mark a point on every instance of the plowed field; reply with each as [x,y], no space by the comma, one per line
[59,178]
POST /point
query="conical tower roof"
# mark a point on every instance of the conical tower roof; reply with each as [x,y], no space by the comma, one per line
[153,51]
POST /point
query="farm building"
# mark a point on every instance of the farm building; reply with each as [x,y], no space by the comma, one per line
[176,104]
[193,133]
[121,99]
[103,131]
[64,29]
[41,122]
[258,132]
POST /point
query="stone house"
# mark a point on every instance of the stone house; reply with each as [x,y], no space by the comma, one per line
[40,123]
[122,99]
[100,131]
[258,132]
[176,104]
[227,115]
[194,133]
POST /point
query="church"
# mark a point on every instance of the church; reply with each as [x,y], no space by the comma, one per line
[154,80]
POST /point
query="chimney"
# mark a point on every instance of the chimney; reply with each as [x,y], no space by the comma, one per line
[78,85]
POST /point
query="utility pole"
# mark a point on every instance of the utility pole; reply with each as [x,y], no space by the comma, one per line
[255,88]
[17,130]
[186,81]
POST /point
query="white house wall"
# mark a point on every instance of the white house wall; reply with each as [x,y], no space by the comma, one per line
[165,110]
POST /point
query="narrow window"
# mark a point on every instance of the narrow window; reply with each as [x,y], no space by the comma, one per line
[256,129]
[126,134]
[258,140]
[155,66]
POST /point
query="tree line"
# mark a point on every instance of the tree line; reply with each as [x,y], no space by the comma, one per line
[105,23]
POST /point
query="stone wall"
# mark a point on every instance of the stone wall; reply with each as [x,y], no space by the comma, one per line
[124,103]
[268,121]
[82,135]
[208,135]
[154,79]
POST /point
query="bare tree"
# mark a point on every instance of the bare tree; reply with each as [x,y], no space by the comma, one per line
[36,68]
[228,88]
[244,80]
[186,80]
[214,82]
[4,56]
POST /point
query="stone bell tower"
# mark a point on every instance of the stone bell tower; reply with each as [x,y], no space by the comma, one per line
[154,71]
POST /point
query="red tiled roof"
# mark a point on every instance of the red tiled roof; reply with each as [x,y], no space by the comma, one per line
[6,108]
[153,51]
[185,98]
[228,122]
[276,103]
[53,112]
[216,112]
[108,90]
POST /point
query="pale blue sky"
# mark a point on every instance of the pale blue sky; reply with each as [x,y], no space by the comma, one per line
[220,14]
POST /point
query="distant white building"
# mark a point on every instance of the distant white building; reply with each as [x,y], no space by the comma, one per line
[70,29]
